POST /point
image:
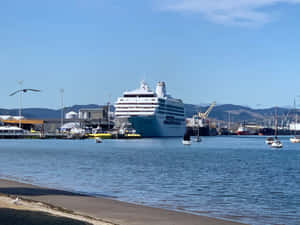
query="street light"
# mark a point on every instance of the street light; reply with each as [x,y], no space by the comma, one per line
[21,96]
[108,112]
[62,108]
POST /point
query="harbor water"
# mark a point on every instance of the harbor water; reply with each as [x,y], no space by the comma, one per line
[235,178]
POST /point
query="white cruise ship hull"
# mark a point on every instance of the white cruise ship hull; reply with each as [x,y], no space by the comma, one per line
[157,126]
[152,114]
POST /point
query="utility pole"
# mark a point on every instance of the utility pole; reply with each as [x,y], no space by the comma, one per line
[21,91]
[275,122]
[20,108]
[108,116]
[229,122]
[62,108]
[108,111]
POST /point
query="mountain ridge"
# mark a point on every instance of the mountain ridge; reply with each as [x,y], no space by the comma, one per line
[222,112]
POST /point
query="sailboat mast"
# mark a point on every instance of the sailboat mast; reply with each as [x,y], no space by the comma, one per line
[198,128]
[296,117]
[275,122]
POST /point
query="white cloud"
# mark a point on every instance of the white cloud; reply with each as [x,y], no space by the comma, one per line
[235,12]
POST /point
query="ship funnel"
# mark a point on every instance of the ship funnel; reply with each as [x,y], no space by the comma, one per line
[161,89]
[144,86]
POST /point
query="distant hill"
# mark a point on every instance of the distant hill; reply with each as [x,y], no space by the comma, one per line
[44,113]
[238,113]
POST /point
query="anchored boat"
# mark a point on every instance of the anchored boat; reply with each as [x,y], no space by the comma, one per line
[186,139]
[98,140]
[277,143]
[269,140]
[295,139]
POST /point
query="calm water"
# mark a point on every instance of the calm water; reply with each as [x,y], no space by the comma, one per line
[237,178]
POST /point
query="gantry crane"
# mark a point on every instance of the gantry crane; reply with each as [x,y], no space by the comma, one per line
[205,114]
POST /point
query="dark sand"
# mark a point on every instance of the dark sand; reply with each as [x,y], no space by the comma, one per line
[104,209]
[24,217]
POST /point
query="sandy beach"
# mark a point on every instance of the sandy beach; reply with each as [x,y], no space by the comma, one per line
[36,205]
[20,211]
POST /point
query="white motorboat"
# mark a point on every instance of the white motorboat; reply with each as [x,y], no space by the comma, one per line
[98,140]
[269,140]
[197,139]
[184,142]
[295,139]
[276,144]
[186,139]
[11,131]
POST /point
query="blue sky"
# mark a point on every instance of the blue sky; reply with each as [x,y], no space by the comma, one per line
[242,52]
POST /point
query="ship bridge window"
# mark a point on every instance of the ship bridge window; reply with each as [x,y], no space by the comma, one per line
[140,96]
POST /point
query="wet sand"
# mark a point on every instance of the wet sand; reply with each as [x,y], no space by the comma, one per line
[50,206]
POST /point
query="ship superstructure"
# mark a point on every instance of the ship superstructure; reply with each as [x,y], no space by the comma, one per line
[152,114]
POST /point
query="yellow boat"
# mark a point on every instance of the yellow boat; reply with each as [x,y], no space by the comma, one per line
[100,135]
[33,131]
[132,135]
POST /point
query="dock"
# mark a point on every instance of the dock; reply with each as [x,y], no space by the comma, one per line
[33,136]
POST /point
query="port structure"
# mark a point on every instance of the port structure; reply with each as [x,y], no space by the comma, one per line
[198,124]
[205,114]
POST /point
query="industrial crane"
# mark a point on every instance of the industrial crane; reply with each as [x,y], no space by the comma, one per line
[205,114]
[199,119]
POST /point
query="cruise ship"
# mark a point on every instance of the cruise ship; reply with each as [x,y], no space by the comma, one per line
[152,114]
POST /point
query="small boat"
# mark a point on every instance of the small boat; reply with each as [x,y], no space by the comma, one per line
[76,133]
[98,140]
[242,130]
[128,132]
[132,136]
[198,139]
[11,131]
[100,135]
[186,139]
[276,144]
[295,139]
[269,140]
[185,142]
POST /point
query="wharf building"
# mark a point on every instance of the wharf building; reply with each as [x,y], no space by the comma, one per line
[94,118]
[84,118]
[26,124]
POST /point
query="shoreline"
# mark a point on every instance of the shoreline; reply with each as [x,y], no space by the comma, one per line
[103,210]
[19,211]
